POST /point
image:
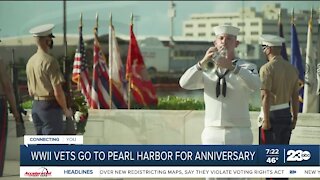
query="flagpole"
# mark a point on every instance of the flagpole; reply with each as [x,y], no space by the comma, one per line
[80,27]
[292,16]
[281,34]
[318,60]
[66,61]
[279,17]
[129,86]
[110,59]
[65,39]
[95,30]
[308,99]
[97,25]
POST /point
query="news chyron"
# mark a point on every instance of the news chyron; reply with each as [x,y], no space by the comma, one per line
[76,160]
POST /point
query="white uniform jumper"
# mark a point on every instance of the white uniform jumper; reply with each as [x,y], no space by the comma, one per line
[227,119]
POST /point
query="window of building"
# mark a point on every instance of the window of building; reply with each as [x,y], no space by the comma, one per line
[241,24]
[188,53]
[254,24]
[270,32]
[189,34]
[254,33]
[189,25]
[300,18]
[201,25]
[200,53]
[270,23]
[202,34]
[214,24]
[242,33]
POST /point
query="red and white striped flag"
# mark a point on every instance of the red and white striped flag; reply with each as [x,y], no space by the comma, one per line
[100,82]
[80,73]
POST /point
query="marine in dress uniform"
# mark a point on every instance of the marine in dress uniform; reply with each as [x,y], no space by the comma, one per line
[227,88]
[45,85]
[279,89]
[6,94]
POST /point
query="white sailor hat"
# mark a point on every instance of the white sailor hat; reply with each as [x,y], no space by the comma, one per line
[226,29]
[43,30]
[271,40]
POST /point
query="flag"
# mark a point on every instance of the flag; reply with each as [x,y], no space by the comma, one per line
[283,49]
[296,61]
[318,76]
[100,81]
[142,88]
[310,100]
[116,72]
[318,61]
[80,72]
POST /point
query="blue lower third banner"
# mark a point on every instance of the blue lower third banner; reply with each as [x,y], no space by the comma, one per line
[169,161]
[169,155]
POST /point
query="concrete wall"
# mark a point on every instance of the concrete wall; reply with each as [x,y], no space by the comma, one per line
[158,127]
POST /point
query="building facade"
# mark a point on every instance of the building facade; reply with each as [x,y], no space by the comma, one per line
[252,24]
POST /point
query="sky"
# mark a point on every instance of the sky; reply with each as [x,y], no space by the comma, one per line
[17,17]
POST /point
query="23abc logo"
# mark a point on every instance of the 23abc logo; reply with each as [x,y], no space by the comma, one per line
[298,155]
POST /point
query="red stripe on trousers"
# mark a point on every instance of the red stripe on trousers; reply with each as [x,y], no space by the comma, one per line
[263,139]
[3,131]
[263,136]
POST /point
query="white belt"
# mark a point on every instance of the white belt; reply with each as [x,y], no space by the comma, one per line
[272,108]
[279,106]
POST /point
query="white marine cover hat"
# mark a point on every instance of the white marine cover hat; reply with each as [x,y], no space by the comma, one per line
[271,40]
[42,30]
[226,29]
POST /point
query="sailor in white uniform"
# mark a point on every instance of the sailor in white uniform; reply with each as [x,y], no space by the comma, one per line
[227,87]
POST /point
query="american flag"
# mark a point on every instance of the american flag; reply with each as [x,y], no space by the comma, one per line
[100,82]
[80,69]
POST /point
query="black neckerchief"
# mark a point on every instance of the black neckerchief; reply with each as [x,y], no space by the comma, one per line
[224,84]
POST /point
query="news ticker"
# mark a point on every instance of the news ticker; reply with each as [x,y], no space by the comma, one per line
[167,172]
